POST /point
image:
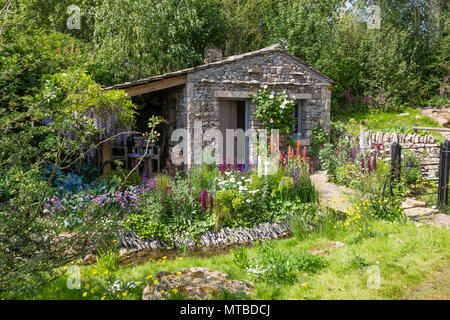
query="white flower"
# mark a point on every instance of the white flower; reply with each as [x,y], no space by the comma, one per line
[271,96]
[271,120]
[248,200]
[265,86]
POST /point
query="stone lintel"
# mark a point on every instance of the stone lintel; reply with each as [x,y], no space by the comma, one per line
[234,94]
[301,96]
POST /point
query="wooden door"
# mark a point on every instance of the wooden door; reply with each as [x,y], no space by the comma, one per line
[233,115]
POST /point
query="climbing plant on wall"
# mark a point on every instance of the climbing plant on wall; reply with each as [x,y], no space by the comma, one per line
[274,110]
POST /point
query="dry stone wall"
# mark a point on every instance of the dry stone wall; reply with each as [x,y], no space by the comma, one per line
[424,148]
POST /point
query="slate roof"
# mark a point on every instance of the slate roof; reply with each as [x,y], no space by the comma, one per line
[274,48]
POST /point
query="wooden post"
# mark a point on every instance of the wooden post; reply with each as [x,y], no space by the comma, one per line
[106,155]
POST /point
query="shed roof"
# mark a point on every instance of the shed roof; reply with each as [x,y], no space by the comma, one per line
[182,73]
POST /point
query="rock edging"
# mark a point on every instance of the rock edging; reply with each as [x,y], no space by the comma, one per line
[226,236]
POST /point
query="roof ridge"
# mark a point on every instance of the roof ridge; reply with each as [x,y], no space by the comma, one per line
[229,59]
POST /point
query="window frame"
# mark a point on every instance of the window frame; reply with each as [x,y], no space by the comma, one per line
[298,135]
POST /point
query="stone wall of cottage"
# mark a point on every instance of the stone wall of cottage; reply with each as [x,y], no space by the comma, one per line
[424,148]
[276,70]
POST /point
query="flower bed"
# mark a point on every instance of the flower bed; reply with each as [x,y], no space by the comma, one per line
[211,205]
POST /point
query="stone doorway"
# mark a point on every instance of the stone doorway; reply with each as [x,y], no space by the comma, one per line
[233,114]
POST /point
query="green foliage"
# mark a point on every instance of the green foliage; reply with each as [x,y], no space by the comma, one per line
[240,257]
[310,263]
[274,110]
[329,161]
[304,220]
[53,122]
[274,266]
[145,228]
[318,139]
[107,259]
[412,175]
[228,204]
[203,177]
[180,30]
[277,266]
[120,177]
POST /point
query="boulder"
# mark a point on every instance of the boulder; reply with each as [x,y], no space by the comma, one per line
[194,283]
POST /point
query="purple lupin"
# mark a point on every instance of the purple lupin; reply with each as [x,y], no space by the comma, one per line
[203,199]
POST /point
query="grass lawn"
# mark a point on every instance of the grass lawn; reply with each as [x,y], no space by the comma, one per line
[413,259]
[392,121]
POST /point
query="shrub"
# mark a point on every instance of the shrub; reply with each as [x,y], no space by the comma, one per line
[145,228]
[118,176]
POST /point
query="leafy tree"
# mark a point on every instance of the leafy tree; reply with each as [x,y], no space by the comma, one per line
[51,127]
[137,39]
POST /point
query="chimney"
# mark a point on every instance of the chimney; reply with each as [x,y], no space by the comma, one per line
[212,54]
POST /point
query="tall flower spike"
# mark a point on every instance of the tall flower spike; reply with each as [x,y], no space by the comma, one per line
[203,199]
[298,147]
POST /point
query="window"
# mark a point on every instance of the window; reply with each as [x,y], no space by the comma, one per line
[297,127]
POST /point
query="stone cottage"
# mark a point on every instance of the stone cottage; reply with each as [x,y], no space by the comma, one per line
[219,94]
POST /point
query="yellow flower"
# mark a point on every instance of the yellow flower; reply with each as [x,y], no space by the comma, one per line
[174,290]
[84,294]
[162,291]
[148,277]
[177,278]
[124,293]
[118,295]
[94,271]
[105,272]
[93,290]
[139,282]
[305,284]
[180,258]
[155,281]
[165,257]
[102,298]
[178,273]
[86,286]
[72,262]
